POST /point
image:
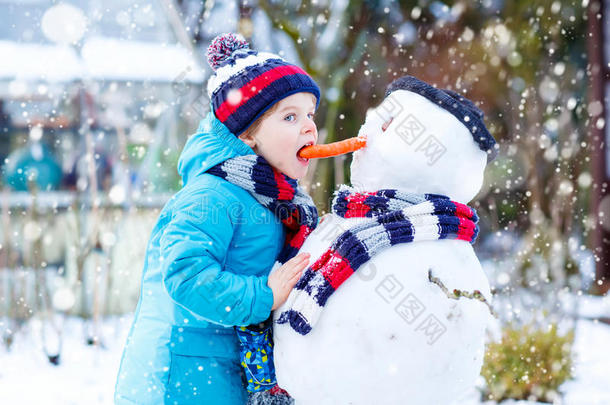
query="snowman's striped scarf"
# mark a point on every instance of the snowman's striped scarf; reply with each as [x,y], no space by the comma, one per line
[389,217]
[277,192]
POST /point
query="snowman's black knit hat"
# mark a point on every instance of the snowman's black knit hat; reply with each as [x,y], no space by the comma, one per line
[459,106]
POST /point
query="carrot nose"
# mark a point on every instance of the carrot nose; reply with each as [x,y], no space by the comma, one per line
[333,149]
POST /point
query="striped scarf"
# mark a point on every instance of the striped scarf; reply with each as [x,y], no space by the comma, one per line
[296,210]
[277,192]
[389,217]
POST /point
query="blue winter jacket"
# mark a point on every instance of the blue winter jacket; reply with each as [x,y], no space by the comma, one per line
[205,271]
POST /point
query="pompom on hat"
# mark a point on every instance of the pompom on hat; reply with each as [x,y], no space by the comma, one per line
[246,83]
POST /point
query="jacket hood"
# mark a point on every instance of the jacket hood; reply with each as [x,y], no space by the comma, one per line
[213,143]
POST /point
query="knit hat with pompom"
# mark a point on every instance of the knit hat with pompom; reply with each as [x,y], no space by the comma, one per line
[247,83]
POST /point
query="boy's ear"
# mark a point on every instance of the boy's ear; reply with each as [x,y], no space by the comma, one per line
[248,140]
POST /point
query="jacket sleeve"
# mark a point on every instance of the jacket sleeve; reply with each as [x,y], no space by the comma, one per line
[193,248]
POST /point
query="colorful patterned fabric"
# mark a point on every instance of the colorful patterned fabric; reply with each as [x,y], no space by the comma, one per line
[256,352]
[393,217]
[295,208]
[247,83]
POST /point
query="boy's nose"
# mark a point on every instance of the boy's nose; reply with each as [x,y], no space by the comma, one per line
[308,127]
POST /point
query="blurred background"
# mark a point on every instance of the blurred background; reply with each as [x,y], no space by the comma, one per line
[97,99]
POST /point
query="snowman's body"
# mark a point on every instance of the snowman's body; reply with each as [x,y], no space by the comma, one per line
[389,335]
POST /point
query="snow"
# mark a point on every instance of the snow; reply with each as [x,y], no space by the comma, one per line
[589,306]
[453,165]
[64,23]
[102,58]
[389,325]
[54,63]
[592,365]
[86,374]
[590,387]
[106,58]
[377,332]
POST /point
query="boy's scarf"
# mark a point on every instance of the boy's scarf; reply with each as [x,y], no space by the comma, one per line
[296,210]
[277,192]
[389,217]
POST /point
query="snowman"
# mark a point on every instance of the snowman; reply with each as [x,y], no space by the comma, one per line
[394,306]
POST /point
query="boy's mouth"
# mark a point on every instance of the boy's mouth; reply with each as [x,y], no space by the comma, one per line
[300,159]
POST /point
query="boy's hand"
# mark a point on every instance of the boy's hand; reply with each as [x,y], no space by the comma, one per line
[283,279]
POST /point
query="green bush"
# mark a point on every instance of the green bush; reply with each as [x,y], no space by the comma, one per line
[528,363]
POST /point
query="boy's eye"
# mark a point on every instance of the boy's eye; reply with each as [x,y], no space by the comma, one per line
[287,118]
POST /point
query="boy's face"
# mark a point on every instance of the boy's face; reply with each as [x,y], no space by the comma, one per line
[284,131]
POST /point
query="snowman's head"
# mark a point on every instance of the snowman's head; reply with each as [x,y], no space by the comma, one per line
[415,142]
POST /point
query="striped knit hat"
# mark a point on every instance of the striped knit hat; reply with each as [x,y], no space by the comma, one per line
[247,83]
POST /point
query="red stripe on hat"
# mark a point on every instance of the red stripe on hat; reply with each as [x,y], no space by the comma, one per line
[255,86]
[286,191]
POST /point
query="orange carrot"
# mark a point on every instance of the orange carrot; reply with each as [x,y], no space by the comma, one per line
[333,149]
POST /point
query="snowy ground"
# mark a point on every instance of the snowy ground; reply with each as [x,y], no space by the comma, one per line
[592,368]
[590,387]
[86,374]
